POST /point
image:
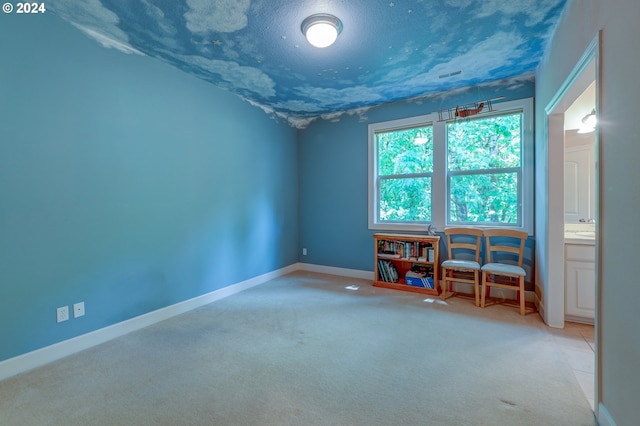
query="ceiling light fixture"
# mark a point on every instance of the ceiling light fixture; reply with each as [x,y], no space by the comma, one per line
[589,122]
[321,29]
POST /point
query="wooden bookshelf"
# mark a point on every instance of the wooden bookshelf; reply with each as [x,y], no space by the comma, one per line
[397,254]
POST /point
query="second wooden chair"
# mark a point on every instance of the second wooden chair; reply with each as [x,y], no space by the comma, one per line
[505,256]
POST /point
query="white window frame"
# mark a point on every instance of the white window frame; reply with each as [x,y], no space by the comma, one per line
[439,187]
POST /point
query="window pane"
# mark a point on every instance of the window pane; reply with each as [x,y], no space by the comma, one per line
[405,151]
[486,143]
[405,199]
[491,198]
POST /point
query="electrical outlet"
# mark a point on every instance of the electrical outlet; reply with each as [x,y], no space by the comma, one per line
[304,251]
[78,309]
[62,314]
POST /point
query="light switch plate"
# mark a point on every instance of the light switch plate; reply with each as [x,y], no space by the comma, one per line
[62,314]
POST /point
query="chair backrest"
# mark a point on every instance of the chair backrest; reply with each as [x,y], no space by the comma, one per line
[463,239]
[501,241]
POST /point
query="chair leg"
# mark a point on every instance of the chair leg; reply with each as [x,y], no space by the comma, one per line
[521,293]
[445,283]
[484,288]
[449,283]
[476,283]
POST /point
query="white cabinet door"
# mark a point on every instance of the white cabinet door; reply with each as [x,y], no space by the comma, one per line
[580,282]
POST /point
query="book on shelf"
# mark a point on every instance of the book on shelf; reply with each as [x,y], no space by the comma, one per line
[425,282]
[388,256]
[420,276]
[387,271]
[381,271]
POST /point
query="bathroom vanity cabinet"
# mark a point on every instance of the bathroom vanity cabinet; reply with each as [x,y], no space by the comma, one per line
[580,281]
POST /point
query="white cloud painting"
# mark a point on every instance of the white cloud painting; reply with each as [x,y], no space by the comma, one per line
[387,51]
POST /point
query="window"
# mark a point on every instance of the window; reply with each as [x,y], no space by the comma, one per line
[471,171]
[405,167]
[484,170]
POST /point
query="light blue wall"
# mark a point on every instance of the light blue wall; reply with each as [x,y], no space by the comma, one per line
[334,174]
[618,141]
[127,184]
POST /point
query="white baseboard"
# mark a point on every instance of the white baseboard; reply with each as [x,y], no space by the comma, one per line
[331,270]
[40,357]
[604,418]
[580,320]
[542,311]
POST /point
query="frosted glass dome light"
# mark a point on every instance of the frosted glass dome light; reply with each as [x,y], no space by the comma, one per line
[588,123]
[321,30]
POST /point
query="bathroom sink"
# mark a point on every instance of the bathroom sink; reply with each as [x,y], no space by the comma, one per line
[586,234]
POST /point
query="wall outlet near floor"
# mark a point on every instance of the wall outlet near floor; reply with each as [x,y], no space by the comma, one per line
[304,251]
[62,314]
[78,309]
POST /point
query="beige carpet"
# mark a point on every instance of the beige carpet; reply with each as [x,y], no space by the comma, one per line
[313,349]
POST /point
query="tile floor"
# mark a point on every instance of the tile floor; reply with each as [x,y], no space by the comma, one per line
[577,342]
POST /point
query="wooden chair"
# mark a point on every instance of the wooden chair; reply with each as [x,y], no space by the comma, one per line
[463,263]
[505,255]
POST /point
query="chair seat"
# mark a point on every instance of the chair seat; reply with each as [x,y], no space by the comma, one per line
[502,269]
[461,265]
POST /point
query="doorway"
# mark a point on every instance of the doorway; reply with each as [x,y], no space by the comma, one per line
[560,114]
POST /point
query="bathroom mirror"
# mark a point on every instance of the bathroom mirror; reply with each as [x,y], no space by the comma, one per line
[579,162]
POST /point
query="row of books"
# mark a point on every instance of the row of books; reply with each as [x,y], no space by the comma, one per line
[418,276]
[423,253]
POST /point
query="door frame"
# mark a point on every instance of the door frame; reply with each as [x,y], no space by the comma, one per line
[577,81]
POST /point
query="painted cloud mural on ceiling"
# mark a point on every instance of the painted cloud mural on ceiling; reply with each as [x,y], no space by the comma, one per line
[388,50]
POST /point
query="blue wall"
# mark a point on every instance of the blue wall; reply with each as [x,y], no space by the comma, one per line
[334,175]
[127,184]
[131,186]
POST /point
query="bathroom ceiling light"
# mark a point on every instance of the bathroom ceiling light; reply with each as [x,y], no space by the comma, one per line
[321,29]
[589,122]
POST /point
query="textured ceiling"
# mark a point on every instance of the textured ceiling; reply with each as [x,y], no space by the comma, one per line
[388,49]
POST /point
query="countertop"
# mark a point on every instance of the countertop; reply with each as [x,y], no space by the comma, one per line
[583,233]
[580,237]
